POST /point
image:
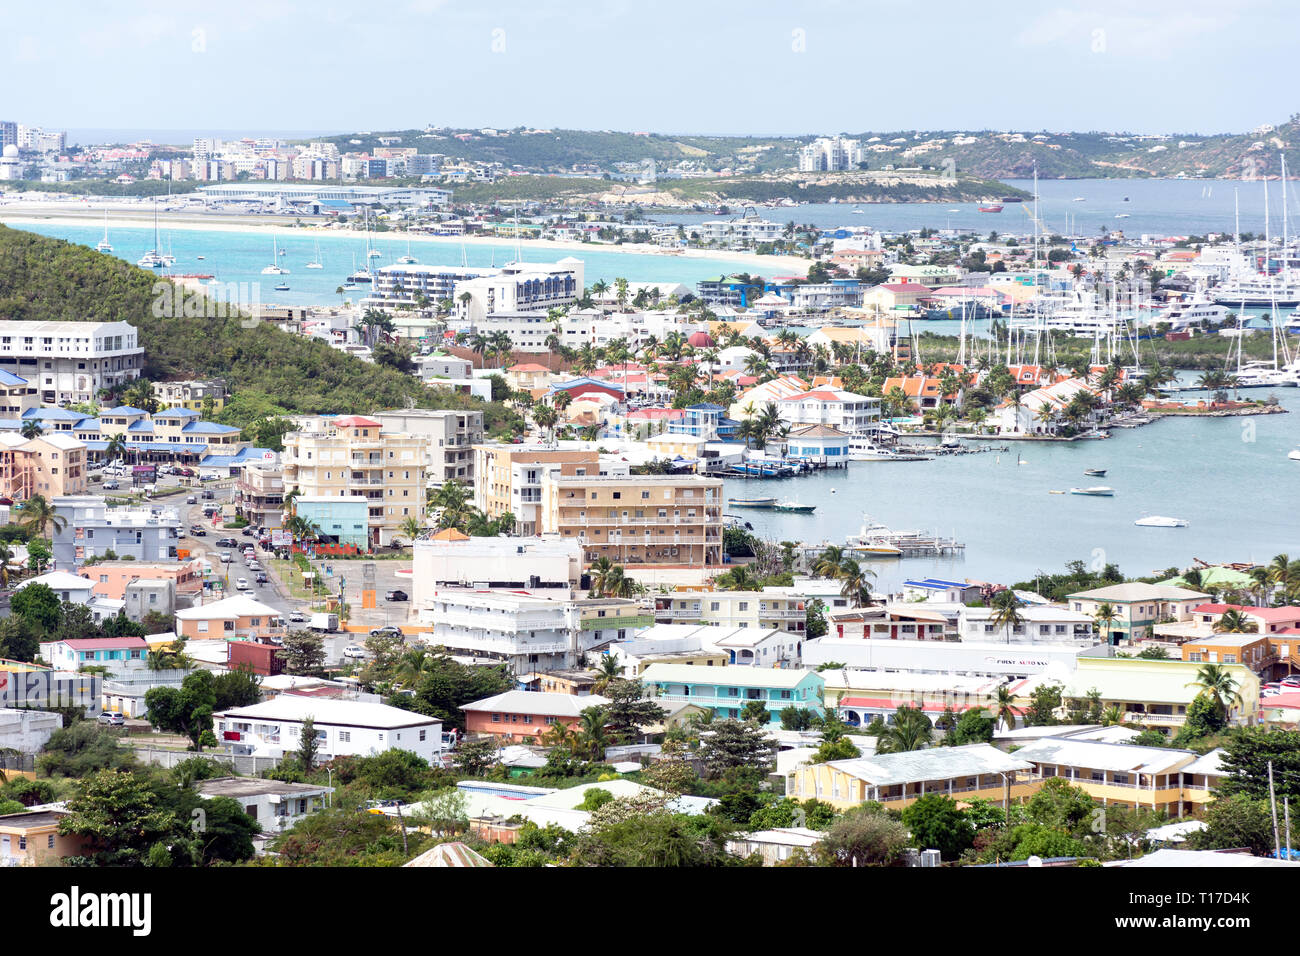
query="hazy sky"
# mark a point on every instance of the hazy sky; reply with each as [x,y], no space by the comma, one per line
[683,66]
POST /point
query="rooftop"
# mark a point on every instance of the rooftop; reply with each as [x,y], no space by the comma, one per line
[936,763]
[238,787]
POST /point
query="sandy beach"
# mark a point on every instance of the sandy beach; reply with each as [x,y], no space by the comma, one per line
[77,213]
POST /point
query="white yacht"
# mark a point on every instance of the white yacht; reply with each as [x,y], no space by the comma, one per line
[275,269]
[408,259]
[1160,521]
[316,263]
[1191,312]
[104,245]
[1079,312]
[866,449]
[153,259]
[1259,291]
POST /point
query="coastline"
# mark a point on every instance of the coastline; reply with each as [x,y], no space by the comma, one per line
[18,218]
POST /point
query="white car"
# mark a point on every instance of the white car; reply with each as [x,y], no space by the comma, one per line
[225,557]
[241,584]
[354,652]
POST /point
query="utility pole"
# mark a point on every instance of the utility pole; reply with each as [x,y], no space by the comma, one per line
[1272,802]
[1286,807]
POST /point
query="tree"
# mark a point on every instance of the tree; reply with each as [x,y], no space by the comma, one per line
[20,638]
[629,709]
[83,748]
[1043,704]
[473,757]
[444,811]
[1059,805]
[840,748]
[1204,718]
[796,718]
[307,745]
[815,624]
[187,710]
[1233,621]
[864,836]
[607,670]
[237,688]
[735,743]
[1246,755]
[911,730]
[39,555]
[303,654]
[1105,616]
[974,726]
[1217,682]
[39,605]
[38,515]
[1006,612]
[120,817]
[937,824]
[1236,821]
[340,836]
[755,711]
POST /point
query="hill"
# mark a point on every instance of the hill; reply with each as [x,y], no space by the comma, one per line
[269,370]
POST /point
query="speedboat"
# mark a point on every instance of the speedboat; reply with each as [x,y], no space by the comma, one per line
[1160,521]
[864,449]
[1098,491]
[793,507]
[1294,454]
[282,287]
[1095,472]
[752,502]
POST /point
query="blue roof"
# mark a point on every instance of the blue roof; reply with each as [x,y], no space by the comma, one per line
[935,583]
[143,425]
[254,454]
[54,414]
[10,424]
[9,378]
[585,380]
[125,410]
[218,461]
[177,412]
[209,428]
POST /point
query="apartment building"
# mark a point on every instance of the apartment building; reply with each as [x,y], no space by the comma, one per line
[356,457]
[898,780]
[48,465]
[259,496]
[847,411]
[1045,623]
[451,434]
[1122,774]
[1137,607]
[638,519]
[520,287]
[406,284]
[17,395]
[830,154]
[192,394]
[93,529]
[449,557]
[739,230]
[508,478]
[343,728]
[733,609]
[728,689]
[70,361]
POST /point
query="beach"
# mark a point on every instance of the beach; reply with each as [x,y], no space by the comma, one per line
[20,213]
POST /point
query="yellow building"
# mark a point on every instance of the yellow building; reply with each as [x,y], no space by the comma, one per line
[32,838]
[638,519]
[1156,693]
[508,478]
[897,780]
[354,457]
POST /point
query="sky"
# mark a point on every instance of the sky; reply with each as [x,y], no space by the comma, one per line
[762,67]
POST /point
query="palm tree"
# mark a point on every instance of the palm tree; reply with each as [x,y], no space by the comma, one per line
[411,528]
[602,575]
[31,428]
[1233,621]
[1105,616]
[1215,682]
[1006,614]
[592,737]
[855,582]
[116,447]
[828,562]
[545,417]
[608,670]
[558,735]
[38,515]
[1004,711]
[6,556]
[739,578]
[911,730]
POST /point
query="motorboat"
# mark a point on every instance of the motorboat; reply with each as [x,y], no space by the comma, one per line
[1294,454]
[793,507]
[1095,472]
[864,449]
[282,287]
[752,502]
[1097,491]
[1160,521]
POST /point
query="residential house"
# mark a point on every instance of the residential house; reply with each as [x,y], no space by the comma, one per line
[1136,606]
[343,728]
[237,618]
[728,689]
[31,837]
[526,715]
[275,804]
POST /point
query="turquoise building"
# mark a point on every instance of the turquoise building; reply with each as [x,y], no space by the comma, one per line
[342,520]
[726,690]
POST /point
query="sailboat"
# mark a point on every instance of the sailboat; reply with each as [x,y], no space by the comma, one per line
[358,275]
[274,269]
[152,259]
[408,259]
[104,245]
[316,263]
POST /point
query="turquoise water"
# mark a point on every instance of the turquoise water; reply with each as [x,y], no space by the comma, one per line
[1228,477]
[241,256]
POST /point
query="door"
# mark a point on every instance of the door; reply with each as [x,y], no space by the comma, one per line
[4,847]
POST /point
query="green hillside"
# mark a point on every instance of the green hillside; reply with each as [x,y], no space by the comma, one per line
[43,279]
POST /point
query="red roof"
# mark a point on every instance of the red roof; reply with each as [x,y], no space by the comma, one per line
[356,421]
[1273,615]
[905,287]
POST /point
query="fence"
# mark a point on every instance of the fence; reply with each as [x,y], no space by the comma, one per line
[242,765]
[10,760]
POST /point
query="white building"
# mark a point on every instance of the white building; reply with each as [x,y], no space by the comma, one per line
[449,558]
[531,632]
[849,412]
[343,728]
[830,154]
[275,805]
[71,361]
[520,287]
[733,609]
[1042,624]
[739,230]
[973,658]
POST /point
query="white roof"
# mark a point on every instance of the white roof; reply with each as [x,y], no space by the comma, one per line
[741,676]
[347,713]
[934,763]
[1211,763]
[60,581]
[532,702]
[1199,859]
[227,609]
[1097,755]
[1137,591]
[62,440]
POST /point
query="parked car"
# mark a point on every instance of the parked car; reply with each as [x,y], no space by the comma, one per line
[248,532]
[227,543]
[1291,681]
[208,493]
[297,617]
[354,652]
[111,485]
[388,630]
[396,596]
[108,717]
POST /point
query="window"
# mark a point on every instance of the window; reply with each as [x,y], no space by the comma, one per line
[496,718]
[423,734]
[50,842]
[345,736]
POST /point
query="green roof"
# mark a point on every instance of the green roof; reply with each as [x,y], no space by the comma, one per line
[1216,577]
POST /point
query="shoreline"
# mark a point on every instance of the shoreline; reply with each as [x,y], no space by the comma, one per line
[777,265]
